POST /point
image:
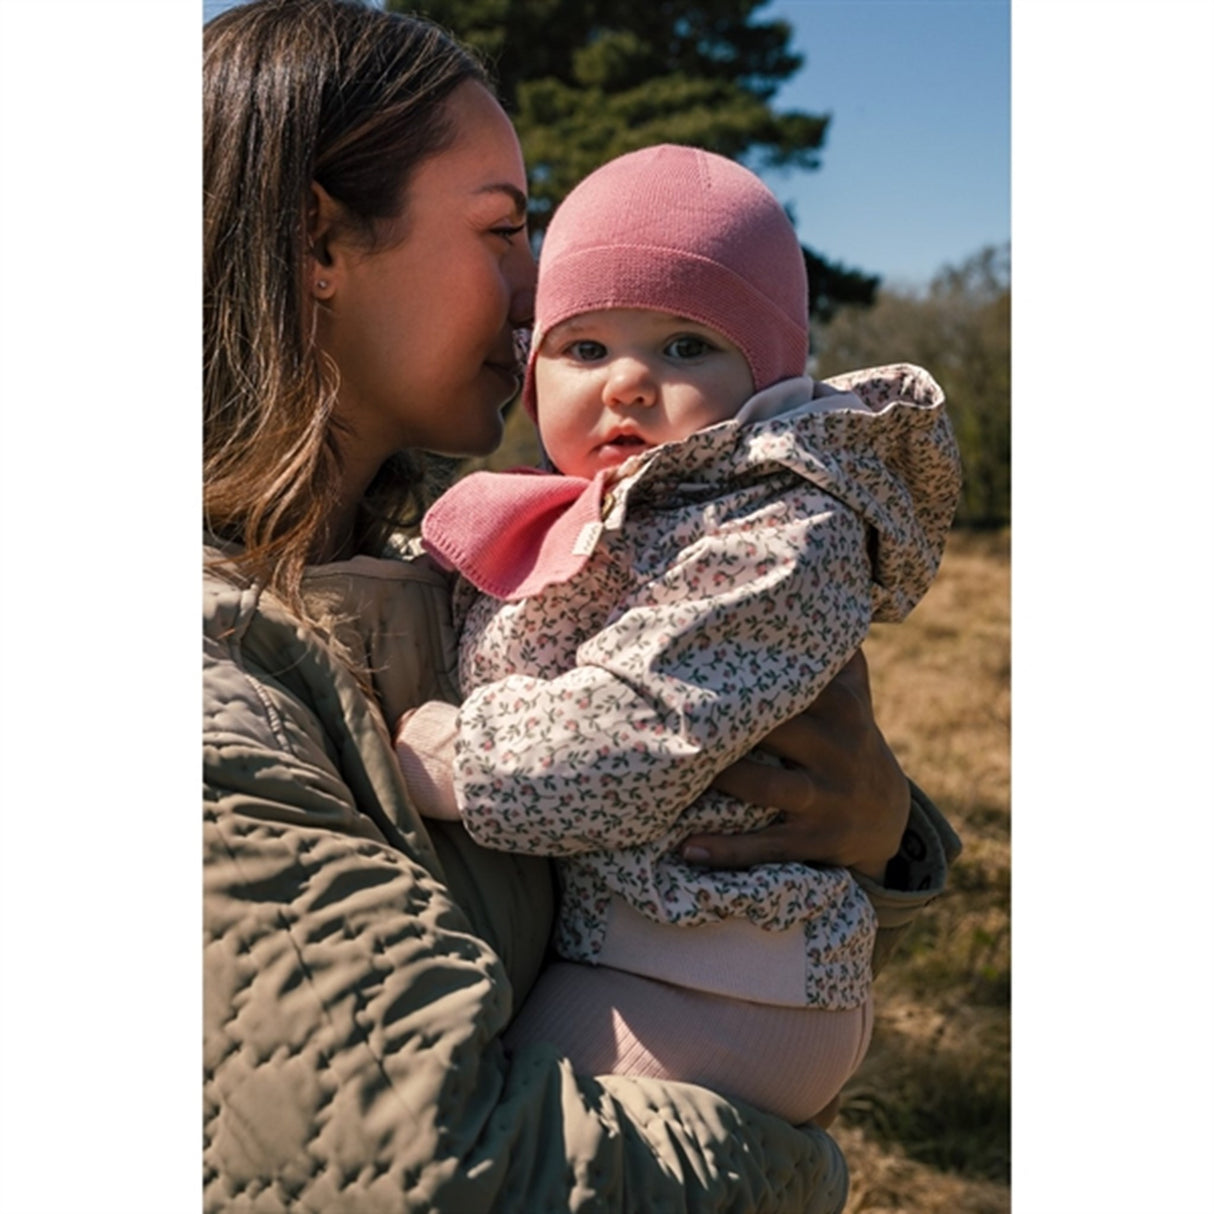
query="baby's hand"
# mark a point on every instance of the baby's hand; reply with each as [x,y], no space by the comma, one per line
[425,750]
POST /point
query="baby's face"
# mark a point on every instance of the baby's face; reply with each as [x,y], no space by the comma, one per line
[613,383]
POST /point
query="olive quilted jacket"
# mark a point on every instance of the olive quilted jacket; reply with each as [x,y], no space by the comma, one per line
[360,965]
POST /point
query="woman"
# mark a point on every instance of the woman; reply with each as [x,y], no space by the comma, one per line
[366,263]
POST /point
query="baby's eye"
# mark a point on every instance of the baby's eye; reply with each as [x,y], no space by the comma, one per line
[687,346]
[585,350]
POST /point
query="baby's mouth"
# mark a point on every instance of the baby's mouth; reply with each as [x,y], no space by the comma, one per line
[625,441]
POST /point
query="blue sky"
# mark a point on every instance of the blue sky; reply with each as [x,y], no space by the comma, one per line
[916,169]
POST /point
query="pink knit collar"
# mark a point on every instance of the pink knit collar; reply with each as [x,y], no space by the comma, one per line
[511,534]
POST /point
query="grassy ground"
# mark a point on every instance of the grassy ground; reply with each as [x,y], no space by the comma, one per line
[925,1124]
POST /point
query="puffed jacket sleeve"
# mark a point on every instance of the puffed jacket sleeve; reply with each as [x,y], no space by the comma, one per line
[353,1009]
[914,877]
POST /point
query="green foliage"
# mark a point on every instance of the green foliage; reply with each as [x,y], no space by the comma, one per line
[587,81]
[960,330]
[833,286]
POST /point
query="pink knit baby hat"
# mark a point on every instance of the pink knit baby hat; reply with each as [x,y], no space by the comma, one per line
[680,230]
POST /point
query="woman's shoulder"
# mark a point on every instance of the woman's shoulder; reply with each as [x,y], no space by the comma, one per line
[404,561]
[346,589]
[387,617]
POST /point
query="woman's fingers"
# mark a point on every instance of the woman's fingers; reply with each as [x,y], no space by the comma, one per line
[841,717]
[782,842]
[841,792]
[823,1119]
[788,788]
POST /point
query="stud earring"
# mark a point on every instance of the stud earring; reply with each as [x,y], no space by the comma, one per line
[322,284]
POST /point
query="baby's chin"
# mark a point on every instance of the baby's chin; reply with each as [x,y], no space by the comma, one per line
[610,455]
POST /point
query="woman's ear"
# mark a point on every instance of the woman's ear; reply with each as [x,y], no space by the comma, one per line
[324,223]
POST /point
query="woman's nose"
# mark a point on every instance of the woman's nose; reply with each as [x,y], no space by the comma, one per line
[522,308]
[630,381]
[522,288]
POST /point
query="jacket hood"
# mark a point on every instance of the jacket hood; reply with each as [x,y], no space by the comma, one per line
[879,440]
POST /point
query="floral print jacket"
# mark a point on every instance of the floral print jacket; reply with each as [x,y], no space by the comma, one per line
[734,574]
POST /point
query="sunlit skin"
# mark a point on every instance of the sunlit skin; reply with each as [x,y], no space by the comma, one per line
[421,327]
[617,382]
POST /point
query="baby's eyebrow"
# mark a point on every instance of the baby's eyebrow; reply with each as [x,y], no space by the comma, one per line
[554,336]
[572,324]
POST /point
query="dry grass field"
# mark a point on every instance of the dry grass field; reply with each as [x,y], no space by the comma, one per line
[926,1123]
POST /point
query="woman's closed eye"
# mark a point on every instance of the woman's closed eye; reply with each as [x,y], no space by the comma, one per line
[509,232]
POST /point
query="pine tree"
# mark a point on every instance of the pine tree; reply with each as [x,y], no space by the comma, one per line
[587,81]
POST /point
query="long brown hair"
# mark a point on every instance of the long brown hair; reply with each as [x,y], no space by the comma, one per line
[296,92]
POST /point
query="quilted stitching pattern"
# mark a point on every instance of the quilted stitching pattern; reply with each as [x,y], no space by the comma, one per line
[351,1012]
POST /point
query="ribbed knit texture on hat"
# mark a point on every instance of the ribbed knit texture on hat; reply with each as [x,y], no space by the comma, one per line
[680,230]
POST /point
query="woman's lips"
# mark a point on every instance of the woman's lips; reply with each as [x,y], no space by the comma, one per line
[508,371]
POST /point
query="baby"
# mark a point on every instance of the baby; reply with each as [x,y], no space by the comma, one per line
[718,535]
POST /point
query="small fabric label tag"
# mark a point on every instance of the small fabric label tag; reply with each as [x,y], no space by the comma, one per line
[587,538]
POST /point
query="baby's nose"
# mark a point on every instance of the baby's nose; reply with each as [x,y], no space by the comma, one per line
[631,381]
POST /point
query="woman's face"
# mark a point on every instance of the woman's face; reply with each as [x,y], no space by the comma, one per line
[421,329]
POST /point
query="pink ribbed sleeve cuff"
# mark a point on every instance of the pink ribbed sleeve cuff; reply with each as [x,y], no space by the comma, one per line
[425,749]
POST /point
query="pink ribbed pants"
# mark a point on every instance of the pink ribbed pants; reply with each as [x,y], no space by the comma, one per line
[786,1060]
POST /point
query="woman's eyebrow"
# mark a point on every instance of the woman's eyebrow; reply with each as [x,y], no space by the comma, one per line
[512,191]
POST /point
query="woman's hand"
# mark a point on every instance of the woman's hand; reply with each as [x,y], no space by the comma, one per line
[826,1117]
[845,802]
